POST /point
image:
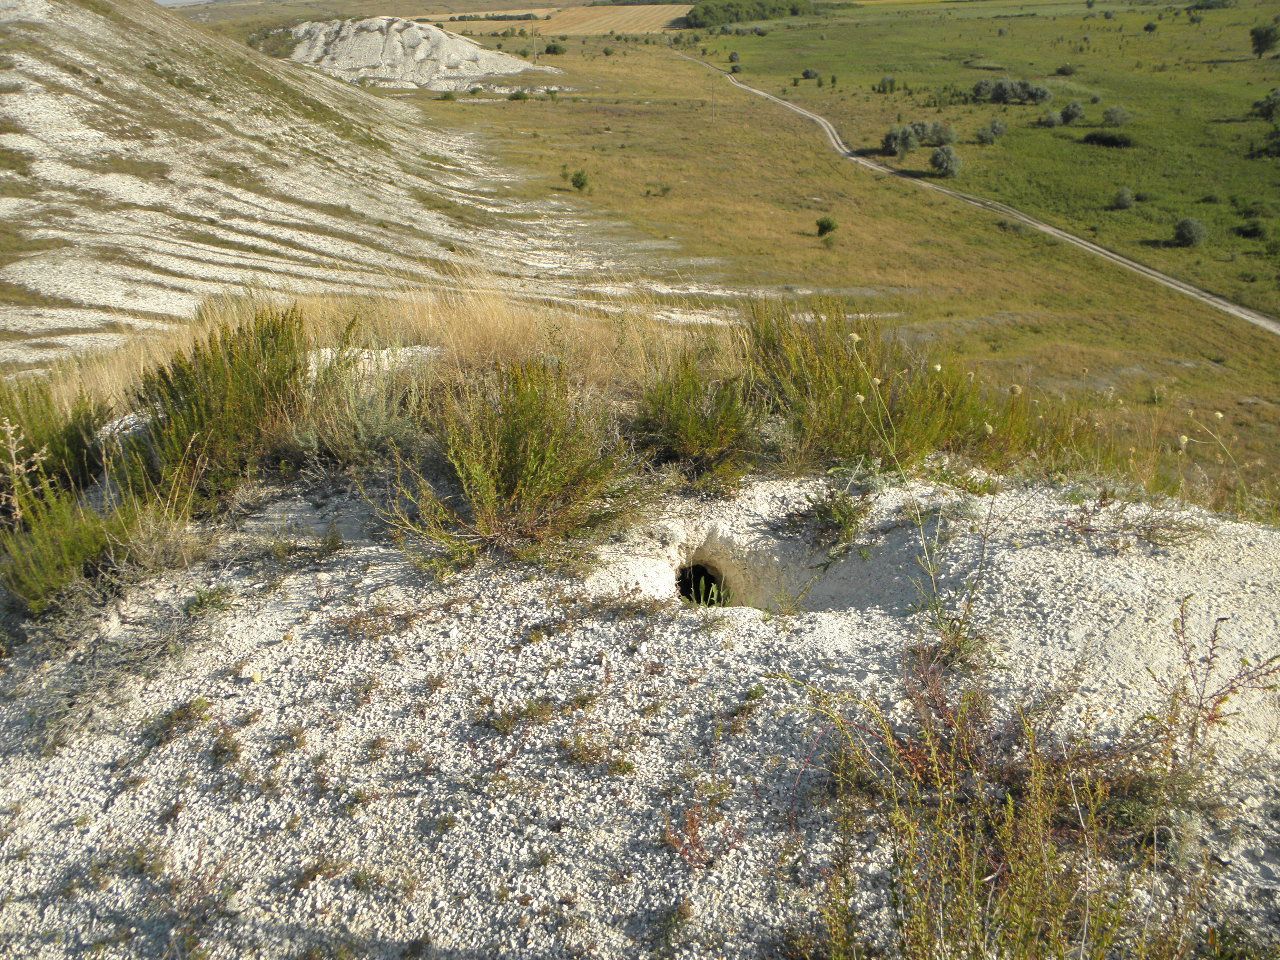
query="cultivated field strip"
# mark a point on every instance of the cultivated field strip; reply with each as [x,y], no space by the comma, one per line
[590,21]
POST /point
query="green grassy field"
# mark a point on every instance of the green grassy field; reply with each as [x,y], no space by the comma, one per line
[678,153]
[1188,86]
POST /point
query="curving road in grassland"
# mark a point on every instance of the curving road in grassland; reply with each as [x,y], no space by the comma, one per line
[1173,283]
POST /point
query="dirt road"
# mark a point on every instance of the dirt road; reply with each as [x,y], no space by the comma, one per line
[1173,283]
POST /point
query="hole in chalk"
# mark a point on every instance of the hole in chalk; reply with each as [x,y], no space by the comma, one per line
[702,585]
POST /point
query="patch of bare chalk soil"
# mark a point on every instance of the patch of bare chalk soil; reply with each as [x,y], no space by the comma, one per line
[310,742]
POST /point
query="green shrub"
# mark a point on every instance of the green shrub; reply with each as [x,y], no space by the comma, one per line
[1252,229]
[1072,112]
[704,420]
[899,141]
[1264,39]
[57,543]
[945,161]
[579,180]
[826,225]
[65,437]
[1268,108]
[1123,200]
[214,412]
[1116,116]
[991,132]
[1189,232]
[536,463]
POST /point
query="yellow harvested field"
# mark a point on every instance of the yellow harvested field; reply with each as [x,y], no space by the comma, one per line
[587,21]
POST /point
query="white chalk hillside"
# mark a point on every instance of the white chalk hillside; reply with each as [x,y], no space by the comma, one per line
[146,165]
[392,52]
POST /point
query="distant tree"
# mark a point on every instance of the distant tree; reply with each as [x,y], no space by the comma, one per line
[555,49]
[1116,116]
[734,57]
[1189,232]
[579,180]
[1072,112]
[735,68]
[826,225]
[1151,27]
[1268,108]
[945,161]
[1264,39]
[809,74]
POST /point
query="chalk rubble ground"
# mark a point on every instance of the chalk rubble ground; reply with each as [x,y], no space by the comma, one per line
[338,788]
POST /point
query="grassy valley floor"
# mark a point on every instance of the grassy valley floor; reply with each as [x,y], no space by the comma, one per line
[678,153]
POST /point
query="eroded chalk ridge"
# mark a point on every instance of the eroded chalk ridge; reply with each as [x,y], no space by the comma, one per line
[398,53]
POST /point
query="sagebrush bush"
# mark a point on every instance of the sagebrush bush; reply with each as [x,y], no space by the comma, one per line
[697,415]
[536,459]
[63,433]
[213,412]
[1189,232]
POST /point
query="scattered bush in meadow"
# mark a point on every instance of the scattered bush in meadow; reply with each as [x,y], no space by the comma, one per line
[1264,38]
[1268,108]
[1123,200]
[1072,112]
[899,141]
[1189,232]
[945,161]
[992,132]
[1010,91]
[1116,116]
[826,225]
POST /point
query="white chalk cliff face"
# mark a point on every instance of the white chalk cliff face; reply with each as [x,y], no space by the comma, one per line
[146,165]
[389,51]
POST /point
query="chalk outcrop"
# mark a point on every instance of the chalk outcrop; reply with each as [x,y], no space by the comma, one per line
[392,52]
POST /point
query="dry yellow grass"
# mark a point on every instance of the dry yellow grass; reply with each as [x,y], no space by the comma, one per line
[472,322]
